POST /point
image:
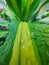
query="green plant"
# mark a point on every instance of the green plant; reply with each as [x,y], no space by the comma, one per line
[27,42]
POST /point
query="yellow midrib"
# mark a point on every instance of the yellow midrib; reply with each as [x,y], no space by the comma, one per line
[27,50]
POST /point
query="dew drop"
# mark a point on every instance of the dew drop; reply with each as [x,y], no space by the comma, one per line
[47,53]
[22,41]
[24,47]
[48,43]
[32,34]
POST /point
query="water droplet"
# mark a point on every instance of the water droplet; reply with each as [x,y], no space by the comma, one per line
[28,44]
[48,43]
[24,47]
[47,53]
[32,34]
[22,41]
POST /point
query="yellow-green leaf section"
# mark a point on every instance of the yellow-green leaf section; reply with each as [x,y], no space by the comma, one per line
[23,49]
[29,2]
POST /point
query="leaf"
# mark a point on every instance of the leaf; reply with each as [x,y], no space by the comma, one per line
[44,20]
[3,33]
[23,8]
[4,23]
[41,8]
[40,33]
[31,9]
[46,14]
[15,6]
[29,3]
[23,4]
[10,6]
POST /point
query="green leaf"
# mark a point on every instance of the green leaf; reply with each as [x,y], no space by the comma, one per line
[44,20]
[3,33]
[23,8]
[28,4]
[40,33]
[31,9]
[45,15]
[4,23]
[41,8]
[23,4]
[34,6]
[10,6]
[15,6]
